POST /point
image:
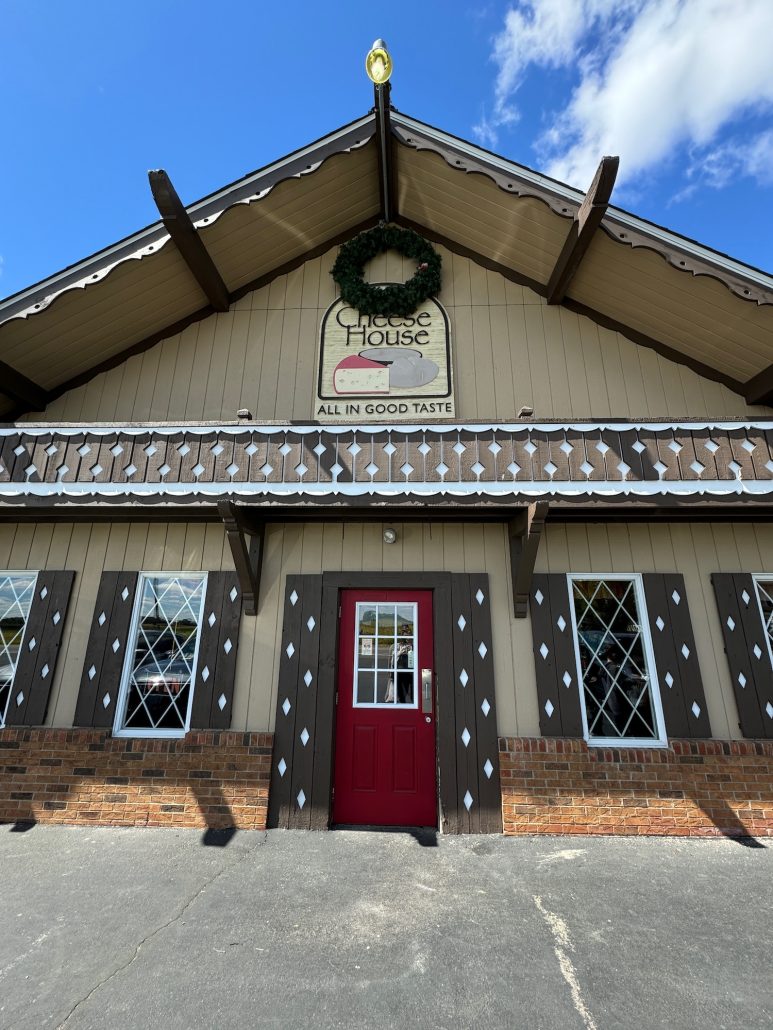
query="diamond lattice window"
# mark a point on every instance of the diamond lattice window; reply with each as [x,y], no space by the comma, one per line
[158,679]
[765,595]
[614,667]
[16,591]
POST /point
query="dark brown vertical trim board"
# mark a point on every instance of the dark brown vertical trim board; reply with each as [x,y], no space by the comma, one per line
[746,649]
[189,243]
[248,557]
[40,649]
[218,646]
[445,704]
[489,795]
[524,532]
[106,649]
[387,168]
[326,687]
[676,660]
[306,740]
[555,660]
[465,740]
[583,228]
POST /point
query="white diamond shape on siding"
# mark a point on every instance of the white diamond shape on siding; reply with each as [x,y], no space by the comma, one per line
[102,619]
[285,449]
[544,650]
[304,736]
[539,597]
[697,468]
[735,468]
[293,598]
[286,706]
[406,468]
[319,450]
[742,679]
[660,468]
[586,468]
[116,449]
[567,679]
[461,622]
[212,619]
[466,738]
[205,674]
[675,597]
[151,449]
[480,597]
[227,646]
[301,470]
[51,449]
[424,448]
[290,649]
[769,710]
[674,446]
[266,470]
[561,623]
[477,468]
[116,645]
[32,644]
[217,449]
[757,652]
[623,469]
[234,594]
[730,623]
[164,470]
[19,698]
[92,672]
[56,617]
[748,446]
[549,708]
[354,449]
[685,651]
[282,767]
[301,799]
[566,447]
[468,801]
[44,672]
[494,448]
[696,711]
[130,470]
[459,447]
[124,593]
[308,678]
[83,450]
[336,470]
[530,448]
[659,623]
[669,680]
[485,707]
[711,446]
[43,593]
[197,469]
[638,446]
[390,449]
[441,469]
[311,623]
[221,702]
[745,597]
[488,768]
[602,447]
[371,469]
[95,469]
[482,649]
[513,468]
[463,677]
[551,469]
[106,701]
[232,469]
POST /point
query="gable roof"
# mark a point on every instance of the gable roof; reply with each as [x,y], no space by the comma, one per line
[691,303]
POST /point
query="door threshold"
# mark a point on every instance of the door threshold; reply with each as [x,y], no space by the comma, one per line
[426,836]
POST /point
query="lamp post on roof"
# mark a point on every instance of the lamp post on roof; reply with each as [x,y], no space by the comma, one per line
[378,65]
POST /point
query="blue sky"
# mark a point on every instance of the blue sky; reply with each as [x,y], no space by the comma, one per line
[95,93]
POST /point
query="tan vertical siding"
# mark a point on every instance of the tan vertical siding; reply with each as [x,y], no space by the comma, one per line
[511,349]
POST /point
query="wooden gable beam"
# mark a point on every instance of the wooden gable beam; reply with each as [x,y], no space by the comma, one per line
[248,557]
[387,166]
[16,386]
[178,223]
[588,219]
[524,533]
[759,389]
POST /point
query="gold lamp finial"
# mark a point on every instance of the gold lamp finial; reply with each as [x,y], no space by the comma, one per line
[378,63]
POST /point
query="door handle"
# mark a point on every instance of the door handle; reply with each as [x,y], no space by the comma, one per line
[426,690]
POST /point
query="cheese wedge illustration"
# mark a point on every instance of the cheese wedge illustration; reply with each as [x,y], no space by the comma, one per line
[354,374]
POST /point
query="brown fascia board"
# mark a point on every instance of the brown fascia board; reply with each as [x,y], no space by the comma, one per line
[40,295]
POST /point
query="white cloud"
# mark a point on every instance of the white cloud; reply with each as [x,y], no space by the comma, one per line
[653,75]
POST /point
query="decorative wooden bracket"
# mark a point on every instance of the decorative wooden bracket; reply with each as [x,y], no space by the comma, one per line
[248,557]
[592,210]
[180,227]
[387,169]
[524,532]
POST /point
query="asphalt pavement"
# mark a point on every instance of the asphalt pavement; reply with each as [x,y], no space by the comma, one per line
[111,928]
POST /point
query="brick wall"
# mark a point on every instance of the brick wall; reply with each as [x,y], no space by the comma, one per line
[209,779]
[702,788]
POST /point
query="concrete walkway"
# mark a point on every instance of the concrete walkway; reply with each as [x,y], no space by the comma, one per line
[125,929]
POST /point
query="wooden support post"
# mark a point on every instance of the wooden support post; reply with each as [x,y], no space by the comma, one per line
[524,532]
[248,557]
[178,223]
[592,210]
[387,169]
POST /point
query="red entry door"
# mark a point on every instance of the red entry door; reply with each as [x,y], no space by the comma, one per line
[385,770]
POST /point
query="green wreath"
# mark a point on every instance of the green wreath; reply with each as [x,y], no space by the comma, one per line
[395,299]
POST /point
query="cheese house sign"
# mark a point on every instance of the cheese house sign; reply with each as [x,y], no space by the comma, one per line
[384,367]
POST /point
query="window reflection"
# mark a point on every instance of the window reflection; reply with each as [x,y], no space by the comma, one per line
[385,654]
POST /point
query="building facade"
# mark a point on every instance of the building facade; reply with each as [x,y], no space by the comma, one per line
[507,569]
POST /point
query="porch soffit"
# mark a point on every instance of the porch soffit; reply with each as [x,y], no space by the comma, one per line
[698,306]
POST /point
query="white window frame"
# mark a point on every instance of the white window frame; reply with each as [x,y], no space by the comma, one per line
[385,705]
[766,577]
[131,649]
[649,659]
[36,576]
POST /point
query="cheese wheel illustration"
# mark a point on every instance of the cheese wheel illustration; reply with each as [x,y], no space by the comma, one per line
[354,374]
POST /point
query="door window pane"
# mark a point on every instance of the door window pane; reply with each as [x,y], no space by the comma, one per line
[387,643]
[16,590]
